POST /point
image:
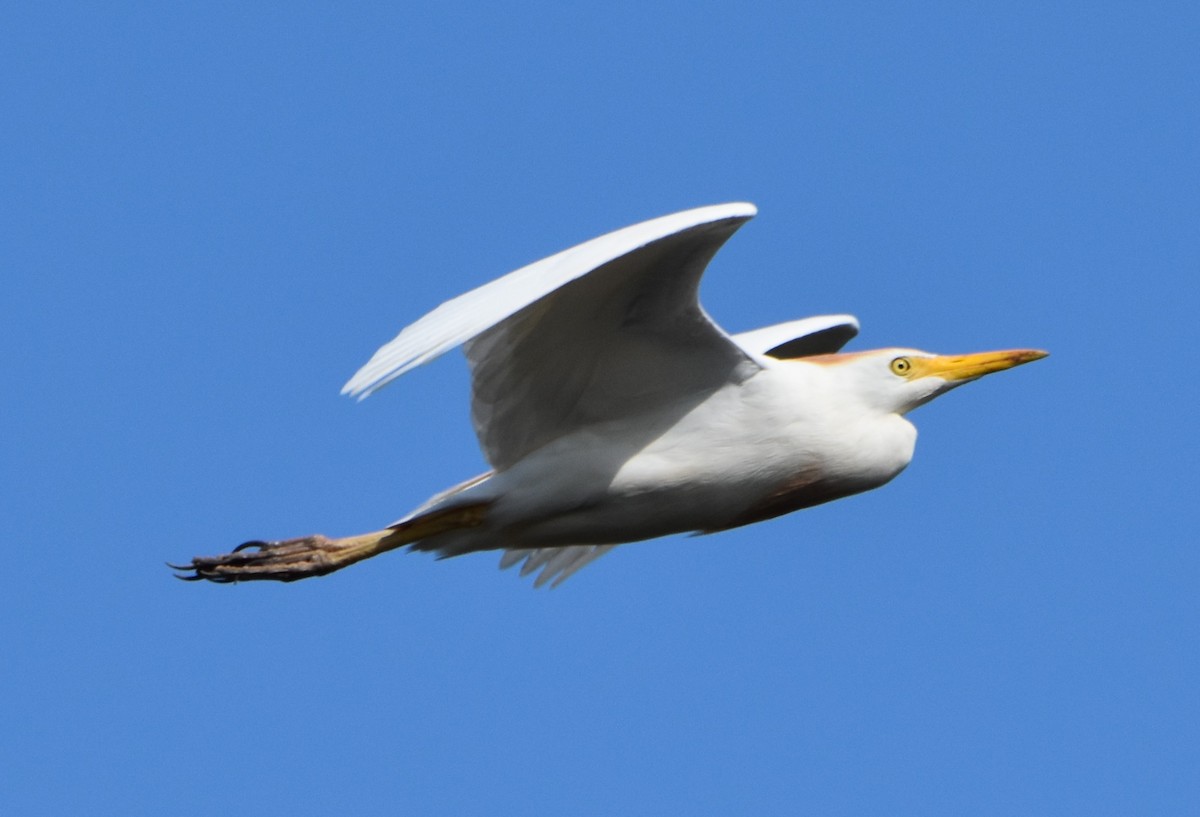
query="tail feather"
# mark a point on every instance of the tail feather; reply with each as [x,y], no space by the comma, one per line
[556,563]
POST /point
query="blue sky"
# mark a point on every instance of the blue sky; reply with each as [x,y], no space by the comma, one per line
[211,216]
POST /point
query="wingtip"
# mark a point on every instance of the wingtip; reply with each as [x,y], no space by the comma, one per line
[734,209]
[360,388]
[742,210]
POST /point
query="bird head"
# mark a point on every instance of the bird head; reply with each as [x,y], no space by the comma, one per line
[896,381]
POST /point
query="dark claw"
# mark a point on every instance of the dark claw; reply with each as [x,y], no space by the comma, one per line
[284,561]
[254,543]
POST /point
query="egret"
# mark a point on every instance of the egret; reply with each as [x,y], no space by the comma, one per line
[612,409]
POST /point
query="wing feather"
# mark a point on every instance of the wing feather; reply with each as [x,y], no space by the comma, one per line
[819,335]
[627,340]
[463,318]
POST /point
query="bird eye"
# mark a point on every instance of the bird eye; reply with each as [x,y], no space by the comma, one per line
[901,366]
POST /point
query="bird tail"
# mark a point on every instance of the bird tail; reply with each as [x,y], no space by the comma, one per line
[557,563]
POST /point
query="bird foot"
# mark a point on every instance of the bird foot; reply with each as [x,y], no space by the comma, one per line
[293,559]
[284,561]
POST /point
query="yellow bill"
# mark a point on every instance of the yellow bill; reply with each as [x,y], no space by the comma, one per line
[957,368]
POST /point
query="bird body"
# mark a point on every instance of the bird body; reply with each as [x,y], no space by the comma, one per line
[612,409]
[708,470]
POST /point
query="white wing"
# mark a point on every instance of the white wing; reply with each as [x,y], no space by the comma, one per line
[607,329]
[820,335]
[462,318]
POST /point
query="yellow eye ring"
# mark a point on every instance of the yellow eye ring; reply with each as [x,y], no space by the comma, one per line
[901,366]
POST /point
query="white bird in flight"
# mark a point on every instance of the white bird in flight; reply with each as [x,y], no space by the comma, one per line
[612,409]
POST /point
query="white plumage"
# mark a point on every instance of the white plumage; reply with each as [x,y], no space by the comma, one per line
[613,409]
[463,318]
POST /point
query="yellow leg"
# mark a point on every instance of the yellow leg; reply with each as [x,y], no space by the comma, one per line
[292,559]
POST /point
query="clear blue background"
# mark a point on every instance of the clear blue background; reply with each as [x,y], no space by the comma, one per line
[212,216]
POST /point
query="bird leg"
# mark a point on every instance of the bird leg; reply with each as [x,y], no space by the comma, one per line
[292,559]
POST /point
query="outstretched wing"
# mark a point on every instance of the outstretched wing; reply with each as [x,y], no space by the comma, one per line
[608,329]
